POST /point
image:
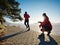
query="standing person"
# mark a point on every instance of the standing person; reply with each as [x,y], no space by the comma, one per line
[26,22]
[46,24]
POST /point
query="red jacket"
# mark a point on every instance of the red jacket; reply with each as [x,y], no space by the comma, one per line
[26,16]
[46,22]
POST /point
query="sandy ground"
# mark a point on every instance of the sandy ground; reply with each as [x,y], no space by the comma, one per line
[31,37]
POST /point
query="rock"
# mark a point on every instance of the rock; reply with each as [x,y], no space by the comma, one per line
[2,29]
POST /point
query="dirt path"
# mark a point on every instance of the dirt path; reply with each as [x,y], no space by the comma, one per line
[30,38]
[27,38]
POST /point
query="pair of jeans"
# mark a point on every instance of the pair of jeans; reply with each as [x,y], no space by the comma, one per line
[46,28]
[26,22]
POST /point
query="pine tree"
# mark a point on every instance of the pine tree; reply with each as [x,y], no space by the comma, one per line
[9,8]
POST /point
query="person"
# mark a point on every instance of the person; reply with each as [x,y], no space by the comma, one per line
[26,22]
[46,24]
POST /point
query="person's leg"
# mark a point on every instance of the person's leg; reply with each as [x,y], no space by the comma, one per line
[47,28]
[28,25]
[25,23]
[43,29]
[49,32]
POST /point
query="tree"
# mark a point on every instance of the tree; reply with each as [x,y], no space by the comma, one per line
[9,8]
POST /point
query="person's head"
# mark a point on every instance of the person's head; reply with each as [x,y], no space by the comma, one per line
[44,15]
[25,12]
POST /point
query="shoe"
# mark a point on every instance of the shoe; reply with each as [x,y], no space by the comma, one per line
[28,29]
[48,34]
[41,29]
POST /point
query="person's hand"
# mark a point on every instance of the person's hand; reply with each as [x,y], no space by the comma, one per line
[39,25]
[39,22]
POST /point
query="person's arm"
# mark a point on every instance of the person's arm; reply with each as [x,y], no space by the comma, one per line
[44,22]
[24,15]
[28,16]
[39,22]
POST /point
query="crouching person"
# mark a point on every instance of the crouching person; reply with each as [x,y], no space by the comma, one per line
[46,24]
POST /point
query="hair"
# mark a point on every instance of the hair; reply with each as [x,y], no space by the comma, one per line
[25,12]
[44,14]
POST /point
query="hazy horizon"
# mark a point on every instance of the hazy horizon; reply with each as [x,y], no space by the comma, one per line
[35,27]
